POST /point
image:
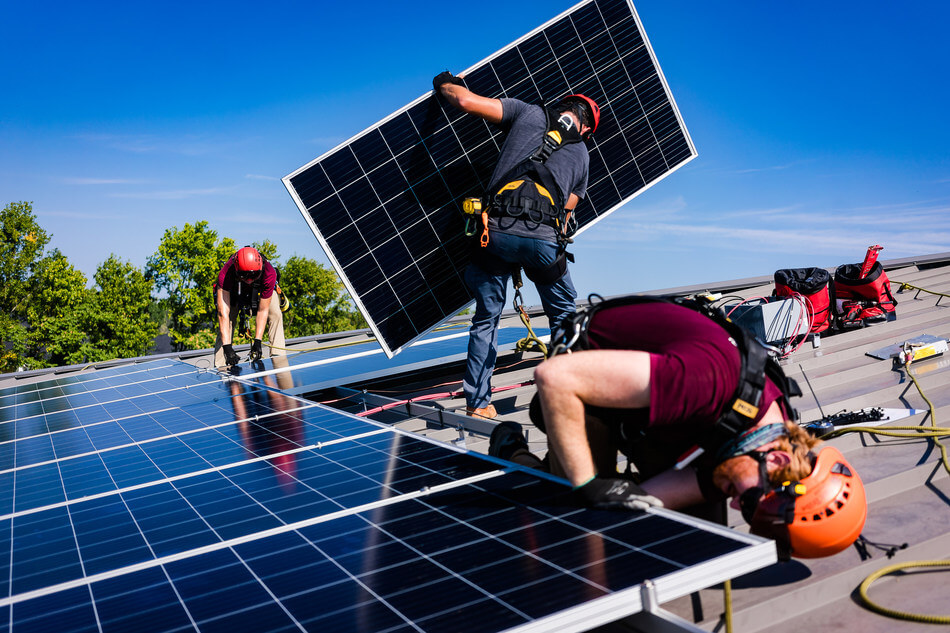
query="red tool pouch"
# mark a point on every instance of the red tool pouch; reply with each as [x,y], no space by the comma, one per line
[862,300]
[811,283]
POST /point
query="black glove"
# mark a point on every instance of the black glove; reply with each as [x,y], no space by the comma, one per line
[255,350]
[230,356]
[617,494]
[445,77]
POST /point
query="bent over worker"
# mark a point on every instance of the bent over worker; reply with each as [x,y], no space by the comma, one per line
[661,381]
[247,281]
[540,176]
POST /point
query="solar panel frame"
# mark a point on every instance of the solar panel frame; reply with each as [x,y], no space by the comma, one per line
[434,156]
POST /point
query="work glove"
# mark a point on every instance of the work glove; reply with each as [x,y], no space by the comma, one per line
[230,356]
[284,303]
[255,350]
[617,494]
[445,77]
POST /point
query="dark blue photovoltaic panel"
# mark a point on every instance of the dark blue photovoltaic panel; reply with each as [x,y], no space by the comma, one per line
[312,371]
[386,205]
[79,382]
[367,571]
[230,503]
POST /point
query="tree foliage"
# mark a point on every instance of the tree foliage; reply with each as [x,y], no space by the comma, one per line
[57,312]
[22,241]
[119,323]
[185,266]
[49,317]
[319,302]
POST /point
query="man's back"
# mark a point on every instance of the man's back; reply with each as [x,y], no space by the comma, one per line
[525,125]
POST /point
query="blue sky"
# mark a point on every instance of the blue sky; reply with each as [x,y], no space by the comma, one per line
[821,127]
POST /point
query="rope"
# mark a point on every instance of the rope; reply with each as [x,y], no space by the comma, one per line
[933,431]
[727,604]
[907,432]
[531,342]
[431,396]
[893,613]
[904,285]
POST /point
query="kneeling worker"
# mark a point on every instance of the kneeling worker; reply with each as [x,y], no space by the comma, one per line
[247,281]
[662,381]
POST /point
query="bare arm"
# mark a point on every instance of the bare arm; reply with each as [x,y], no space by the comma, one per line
[223,300]
[467,101]
[260,324]
[677,489]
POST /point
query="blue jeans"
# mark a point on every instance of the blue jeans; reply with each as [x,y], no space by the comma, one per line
[557,299]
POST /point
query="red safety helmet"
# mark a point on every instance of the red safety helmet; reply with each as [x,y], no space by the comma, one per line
[249,263]
[818,516]
[590,106]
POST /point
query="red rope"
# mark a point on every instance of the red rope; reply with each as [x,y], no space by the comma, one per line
[437,396]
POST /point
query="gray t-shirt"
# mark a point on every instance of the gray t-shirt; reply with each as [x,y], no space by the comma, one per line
[525,125]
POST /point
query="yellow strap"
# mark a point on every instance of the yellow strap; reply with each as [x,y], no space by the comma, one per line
[515,184]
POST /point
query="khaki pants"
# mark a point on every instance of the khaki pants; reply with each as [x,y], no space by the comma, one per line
[275,332]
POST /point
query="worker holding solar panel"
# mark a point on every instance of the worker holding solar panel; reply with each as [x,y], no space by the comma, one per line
[540,176]
[247,283]
[701,410]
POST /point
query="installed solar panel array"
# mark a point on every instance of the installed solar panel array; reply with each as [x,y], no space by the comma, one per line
[385,206]
[157,498]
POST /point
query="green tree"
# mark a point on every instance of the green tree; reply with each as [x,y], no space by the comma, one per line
[268,249]
[318,300]
[119,323]
[56,313]
[186,266]
[22,241]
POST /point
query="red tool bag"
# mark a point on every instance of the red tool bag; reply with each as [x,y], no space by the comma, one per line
[812,284]
[862,300]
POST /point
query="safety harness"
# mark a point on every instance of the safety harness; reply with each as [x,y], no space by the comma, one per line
[529,191]
[246,297]
[757,364]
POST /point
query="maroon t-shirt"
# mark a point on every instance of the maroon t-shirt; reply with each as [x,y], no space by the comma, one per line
[228,278]
[694,368]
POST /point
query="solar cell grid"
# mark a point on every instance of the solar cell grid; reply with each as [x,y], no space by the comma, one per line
[179,518]
[357,572]
[78,382]
[311,371]
[386,205]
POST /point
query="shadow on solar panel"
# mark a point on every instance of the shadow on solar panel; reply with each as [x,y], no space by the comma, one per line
[386,205]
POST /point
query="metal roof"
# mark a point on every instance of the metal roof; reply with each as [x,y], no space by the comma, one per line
[908,487]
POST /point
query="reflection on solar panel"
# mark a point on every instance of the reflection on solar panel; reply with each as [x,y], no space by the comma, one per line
[385,206]
[214,505]
[312,371]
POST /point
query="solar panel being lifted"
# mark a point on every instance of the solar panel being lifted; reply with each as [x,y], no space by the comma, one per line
[386,205]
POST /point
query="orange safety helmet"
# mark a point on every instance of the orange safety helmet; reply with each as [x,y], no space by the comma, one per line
[593,110]
[818,516]
[249,263]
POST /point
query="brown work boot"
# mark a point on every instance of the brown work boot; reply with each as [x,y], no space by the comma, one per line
[484,412]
